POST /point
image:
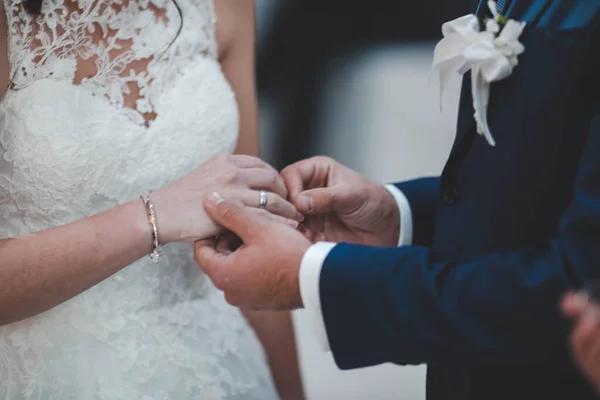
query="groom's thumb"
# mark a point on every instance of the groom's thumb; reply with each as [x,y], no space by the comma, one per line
[230,215]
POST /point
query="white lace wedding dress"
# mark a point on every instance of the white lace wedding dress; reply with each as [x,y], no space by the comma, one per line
[73,144]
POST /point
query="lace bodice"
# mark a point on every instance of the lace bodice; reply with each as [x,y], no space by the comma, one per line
[110,99]
[135,49]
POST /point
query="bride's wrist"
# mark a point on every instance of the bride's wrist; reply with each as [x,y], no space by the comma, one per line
[165,232]
[135,213]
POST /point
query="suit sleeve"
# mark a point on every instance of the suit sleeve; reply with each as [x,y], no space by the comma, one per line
[397,305]
[423,196]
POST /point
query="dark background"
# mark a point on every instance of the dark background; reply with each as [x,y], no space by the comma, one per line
[302,37]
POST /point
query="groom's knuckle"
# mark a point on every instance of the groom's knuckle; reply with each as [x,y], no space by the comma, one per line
[343,193]
[332,197]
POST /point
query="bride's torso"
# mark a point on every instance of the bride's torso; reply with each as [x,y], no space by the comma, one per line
[110,99]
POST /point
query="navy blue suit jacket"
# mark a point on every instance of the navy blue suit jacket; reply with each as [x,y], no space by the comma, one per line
[499,237]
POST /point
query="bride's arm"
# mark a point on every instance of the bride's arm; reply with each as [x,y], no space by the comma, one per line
[236,35]
[42,270]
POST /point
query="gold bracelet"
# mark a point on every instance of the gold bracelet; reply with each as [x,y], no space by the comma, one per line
[156,248]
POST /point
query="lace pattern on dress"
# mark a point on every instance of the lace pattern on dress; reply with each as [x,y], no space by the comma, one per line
[104,108]
[124,50]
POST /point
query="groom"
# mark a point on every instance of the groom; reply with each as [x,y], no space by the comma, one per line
[463,271]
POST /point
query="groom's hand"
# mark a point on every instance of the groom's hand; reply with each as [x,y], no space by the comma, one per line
[585,337]
[340,205]
[262,273]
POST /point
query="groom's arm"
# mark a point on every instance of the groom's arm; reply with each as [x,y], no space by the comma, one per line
[399,305]
[417,202]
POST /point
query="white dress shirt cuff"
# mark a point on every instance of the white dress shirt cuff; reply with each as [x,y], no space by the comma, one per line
[310,273]
[406,223]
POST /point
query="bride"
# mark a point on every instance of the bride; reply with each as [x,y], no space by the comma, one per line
[107,100]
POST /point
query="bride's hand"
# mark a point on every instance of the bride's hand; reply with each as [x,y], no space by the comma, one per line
[180,214]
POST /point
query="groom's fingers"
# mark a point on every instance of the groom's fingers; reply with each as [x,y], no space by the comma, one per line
[573,304]
[213,263]
[236,218]
[293,179]
[324,200]
[585,334]
[206,253]
[306,174]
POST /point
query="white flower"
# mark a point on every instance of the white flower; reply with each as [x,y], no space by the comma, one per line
[508,40]
[492,26]
[490,55]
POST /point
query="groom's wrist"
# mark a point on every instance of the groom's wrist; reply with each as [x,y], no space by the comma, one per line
[309,280]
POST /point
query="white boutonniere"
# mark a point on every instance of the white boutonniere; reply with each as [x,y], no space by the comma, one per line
[488,48]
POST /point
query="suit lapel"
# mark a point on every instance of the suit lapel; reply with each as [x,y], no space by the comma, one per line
[465,114]
[527,11]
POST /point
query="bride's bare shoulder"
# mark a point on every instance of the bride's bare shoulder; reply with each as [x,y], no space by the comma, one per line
[4,64]
[234,18]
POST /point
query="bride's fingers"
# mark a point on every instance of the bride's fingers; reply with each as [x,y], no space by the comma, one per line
[263,179]
[246,161]
[275,204]
[274,217]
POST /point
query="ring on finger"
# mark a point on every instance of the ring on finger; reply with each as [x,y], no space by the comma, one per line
[263,199]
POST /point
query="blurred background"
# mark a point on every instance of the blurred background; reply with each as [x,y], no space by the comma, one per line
[351,79]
